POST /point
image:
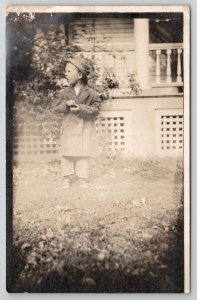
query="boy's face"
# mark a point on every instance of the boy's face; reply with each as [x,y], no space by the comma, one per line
[73,75]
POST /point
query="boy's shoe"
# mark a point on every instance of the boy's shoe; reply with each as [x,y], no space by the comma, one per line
[83,183]
[67,183]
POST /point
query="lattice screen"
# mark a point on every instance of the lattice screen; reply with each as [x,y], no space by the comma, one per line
[114,131]
[169,131]
[29,140]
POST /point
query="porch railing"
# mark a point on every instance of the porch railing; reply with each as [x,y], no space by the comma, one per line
[166,64]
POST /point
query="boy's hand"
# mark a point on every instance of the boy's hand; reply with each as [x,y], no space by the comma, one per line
[70,103]
[74,108]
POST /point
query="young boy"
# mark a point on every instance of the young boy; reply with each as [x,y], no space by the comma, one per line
[80,105]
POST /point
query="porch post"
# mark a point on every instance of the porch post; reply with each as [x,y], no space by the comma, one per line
[141,33]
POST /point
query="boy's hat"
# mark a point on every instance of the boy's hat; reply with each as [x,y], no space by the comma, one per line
[80,64]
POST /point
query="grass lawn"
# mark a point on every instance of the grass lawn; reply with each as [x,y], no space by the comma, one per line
[122,234]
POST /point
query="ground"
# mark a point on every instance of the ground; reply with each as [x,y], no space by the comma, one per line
[122,234]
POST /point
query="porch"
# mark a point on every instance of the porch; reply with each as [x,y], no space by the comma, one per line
[150,123]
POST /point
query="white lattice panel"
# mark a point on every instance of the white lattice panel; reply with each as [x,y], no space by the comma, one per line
[169,131]
[114,131]
[28,140]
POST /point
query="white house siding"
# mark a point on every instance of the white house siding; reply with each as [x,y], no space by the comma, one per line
[131,126]
[110,42]
[145,127]
[136,125]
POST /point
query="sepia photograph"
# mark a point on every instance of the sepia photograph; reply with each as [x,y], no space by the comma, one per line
[98,149]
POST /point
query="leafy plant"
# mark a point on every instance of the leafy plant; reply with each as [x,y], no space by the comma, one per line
[38,70]
[133,84]
[110,79]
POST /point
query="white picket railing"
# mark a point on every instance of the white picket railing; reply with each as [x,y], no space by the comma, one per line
[166,64]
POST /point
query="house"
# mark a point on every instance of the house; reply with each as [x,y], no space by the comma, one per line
[151,48]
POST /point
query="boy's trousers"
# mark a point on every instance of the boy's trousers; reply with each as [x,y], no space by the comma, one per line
[78,166]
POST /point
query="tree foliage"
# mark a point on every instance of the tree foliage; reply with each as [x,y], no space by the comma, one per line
[37,55]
